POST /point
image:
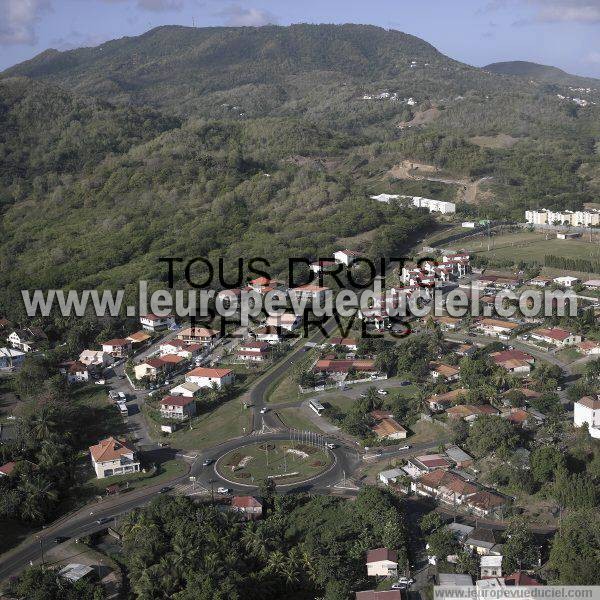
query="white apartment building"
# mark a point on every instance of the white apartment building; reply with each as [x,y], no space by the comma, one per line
[113,457]
[587,412]
[434,205]
[579,218]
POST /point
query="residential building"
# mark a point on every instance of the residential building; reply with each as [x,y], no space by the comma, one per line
[592,284]
[27,339]
[118,347]
[7,468]
[589,347]
[187,389]
[262,285]
[287,321]
[207,377]
[496,327]
[391,476]
[362,365]
[388,428]
[199,335]
[312,293]
[249,506]
[484,541]
[454,580]
[348,343]
[555,336]
[459,457]
[253,351]
[271,335]
[346,257]
[11,358]
[155,323]
[520,578]
[487,504]
[139,338]
[440,402]
[470,412]
[96,360]
[540,281]
[323,266]
[433,205]
[151,368]
[379,595]
[513,361]
[177,407]
[580,218]
[113,457]
[444,486]
[382,562]
[566,281]
[419,465]
[586,411]
[387,198]
[444,372]
[75,371]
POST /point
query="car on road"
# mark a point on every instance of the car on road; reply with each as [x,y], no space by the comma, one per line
[207,461]
[59,539]
[406,580]
[264,410]
[331,446]
[471,334]
[104,520]
[165,490]
[382,392]
[100,382]
[405,382]
[223,490]
[407,447]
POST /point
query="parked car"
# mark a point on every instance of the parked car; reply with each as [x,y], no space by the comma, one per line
[121,396]
[382,392]
[164,490]
[104,520]
[405,382]
[100,382]
[407,447]
[223,490]
[59,539]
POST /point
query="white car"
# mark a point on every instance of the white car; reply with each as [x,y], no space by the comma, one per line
[100,382]
[405,580]
[407,447]
[122,396]
[382,392]
[264,410]
[223,490]
[331,446]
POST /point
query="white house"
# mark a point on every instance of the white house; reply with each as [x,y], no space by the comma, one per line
[322,266]
[313,293]
[117,347]
[555,336]
[11,358]
[589,347]
[288,321]
[27,339]
[96,360]
[346,257]
[253,351]
[382,562]
[491,566]
[199,335]
[113,457]
[187,389]
[566,281]
[75,371]
[586,411]
[155,323]
[177,407]
[206,377]
[391,476]
[496,326]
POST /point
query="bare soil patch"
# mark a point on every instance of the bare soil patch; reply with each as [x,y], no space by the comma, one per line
[502,140]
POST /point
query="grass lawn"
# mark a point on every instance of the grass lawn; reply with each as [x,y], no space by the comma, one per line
[285,390]
[295,419]
[166,471]
[427,432]
[568,355]
[285,461]
[222,423]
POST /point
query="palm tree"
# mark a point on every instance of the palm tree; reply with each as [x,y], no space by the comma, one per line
[37,497]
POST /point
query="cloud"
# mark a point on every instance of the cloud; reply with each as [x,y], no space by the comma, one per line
[152,5]
[237,16]
[549,11]
[18,19]
[76,39]
[593,58]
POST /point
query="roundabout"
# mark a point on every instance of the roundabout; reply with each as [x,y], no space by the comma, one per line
[285,461]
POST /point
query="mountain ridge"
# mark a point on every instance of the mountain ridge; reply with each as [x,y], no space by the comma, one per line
[541,72]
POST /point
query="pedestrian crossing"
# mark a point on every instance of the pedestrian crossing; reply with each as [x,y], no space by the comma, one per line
[190,489]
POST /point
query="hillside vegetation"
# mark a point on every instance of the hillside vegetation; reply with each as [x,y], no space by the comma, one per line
[241,142]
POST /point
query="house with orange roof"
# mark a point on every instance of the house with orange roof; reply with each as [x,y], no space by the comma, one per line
[207,377]
[139,337]
[586,413]
[152,322]
[496,327]
[7,468]
[199,335]
[249,506]
[469,412]
[440,402]
[151,368]
[443,372]
[311,292]
[75,371]
[589,347]
[387,428]
[113,457]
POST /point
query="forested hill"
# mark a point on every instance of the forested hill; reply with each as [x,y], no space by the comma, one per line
[242,142]
[531,70]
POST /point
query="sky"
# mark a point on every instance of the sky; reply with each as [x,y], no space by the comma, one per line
[562,33]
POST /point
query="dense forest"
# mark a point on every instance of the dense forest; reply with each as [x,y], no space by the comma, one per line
[242,142]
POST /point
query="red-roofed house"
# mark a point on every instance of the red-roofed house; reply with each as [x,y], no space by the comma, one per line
[177,407]
[382,562]
[589,347]
[311,292]
[555,336]
[199,335]
[206,377]
[151,368]
[75,371]
[586,412]
[344,366]
[520,578]
[113,457]
[7,469]
[444,372]
[250,506]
